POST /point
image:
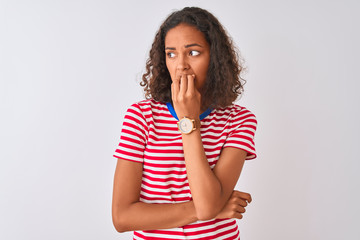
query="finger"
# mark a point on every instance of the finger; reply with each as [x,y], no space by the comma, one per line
[241,202]
[191,84]
[175,87]
[183,85]
[172,90]
[237,215]
[244,195]
[240,209]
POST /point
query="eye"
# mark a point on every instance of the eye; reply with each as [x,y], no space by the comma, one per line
[170,54]
[194,53]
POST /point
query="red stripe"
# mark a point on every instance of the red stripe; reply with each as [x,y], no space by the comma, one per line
[167,171]
[203,224]
[159,143]
[171,192]
[152,150]
[150,238]
[239,144]
[124,138]
[166,186]
[164,165]
[209,230]
[163,158]
[123,153]
[171,200]
[165,179]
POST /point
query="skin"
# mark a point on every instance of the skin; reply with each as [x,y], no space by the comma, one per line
[187,55]
[213,193]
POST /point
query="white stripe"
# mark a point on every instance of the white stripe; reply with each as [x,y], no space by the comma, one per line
[162,235]
[168,155]
[169,190]
[164,176]
[166,169]
[123,156]
[165,196]
[164,183]
[142,120]
[128,150]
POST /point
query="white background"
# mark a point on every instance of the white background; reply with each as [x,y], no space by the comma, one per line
[70,69]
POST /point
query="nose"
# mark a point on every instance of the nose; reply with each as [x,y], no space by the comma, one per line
[182,63]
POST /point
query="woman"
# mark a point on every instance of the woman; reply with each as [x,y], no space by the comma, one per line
[182,150]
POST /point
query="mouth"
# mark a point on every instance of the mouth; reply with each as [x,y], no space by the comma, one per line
[178,76]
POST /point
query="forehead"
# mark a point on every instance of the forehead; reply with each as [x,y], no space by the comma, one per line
[184,34]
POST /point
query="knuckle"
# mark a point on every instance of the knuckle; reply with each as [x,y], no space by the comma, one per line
[190,94]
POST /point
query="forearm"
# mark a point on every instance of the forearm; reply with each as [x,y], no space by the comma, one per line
[146,216]
[205,187]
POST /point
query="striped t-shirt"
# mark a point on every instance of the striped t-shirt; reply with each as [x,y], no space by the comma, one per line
[150,136]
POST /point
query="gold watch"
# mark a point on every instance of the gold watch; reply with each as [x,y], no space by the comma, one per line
[186,125]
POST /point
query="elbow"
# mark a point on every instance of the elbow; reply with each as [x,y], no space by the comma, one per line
[120,224]
[121,218]
[204,214]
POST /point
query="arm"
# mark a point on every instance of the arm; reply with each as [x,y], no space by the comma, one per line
[127,211]
[130,214]
[210,189]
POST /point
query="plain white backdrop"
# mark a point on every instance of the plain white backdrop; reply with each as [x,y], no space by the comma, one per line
[70,69]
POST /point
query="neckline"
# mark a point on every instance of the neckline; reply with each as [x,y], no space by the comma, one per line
[173,113]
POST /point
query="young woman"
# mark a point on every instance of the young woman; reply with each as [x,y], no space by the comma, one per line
[181,151]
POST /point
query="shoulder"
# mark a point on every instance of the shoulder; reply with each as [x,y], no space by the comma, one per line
[235,111]
[239,115]
[147,106]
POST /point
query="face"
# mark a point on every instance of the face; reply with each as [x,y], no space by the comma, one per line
[187,52]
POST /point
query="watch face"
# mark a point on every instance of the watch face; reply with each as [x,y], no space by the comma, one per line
[185,125]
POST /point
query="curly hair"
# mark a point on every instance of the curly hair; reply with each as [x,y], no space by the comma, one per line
[223,82]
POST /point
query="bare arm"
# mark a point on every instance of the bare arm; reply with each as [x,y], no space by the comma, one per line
[129,214]
[210,189]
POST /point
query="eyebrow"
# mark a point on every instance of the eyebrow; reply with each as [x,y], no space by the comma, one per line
[186,46]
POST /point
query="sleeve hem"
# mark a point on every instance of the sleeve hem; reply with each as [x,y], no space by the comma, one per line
[127,159]
[250,154]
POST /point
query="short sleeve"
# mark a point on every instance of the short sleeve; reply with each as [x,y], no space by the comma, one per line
[133,136]
[242,132]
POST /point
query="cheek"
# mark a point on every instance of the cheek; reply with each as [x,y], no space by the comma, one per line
[202,71]
[170,69]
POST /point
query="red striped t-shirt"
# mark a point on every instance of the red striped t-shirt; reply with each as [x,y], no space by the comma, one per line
[150,136]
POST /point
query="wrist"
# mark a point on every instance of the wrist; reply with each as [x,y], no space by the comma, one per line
[188,125]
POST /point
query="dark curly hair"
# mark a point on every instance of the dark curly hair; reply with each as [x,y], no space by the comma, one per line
[223,81]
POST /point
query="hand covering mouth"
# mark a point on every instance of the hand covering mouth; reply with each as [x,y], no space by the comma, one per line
[178,76]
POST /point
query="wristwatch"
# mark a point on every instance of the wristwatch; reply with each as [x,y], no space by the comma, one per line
[186,125]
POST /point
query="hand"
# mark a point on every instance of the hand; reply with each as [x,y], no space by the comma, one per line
[235,206]
[186,98]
